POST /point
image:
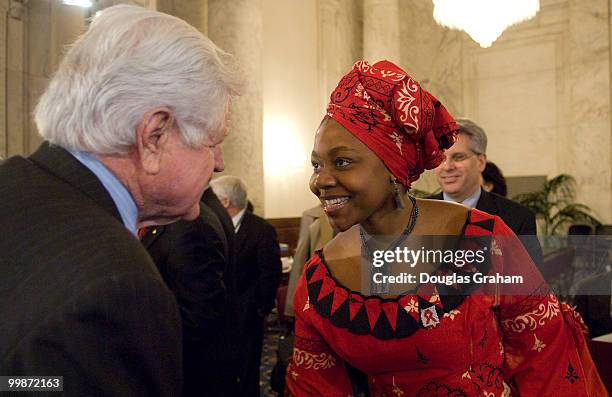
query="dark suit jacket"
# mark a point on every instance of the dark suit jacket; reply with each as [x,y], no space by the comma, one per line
[592,301]
[258,263]
[212,201]
[191,259]
[81,297]
[518,218]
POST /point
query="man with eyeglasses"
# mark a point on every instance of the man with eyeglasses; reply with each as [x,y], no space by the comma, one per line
[459,176]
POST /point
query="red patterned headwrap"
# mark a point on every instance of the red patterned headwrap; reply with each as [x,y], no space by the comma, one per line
[387,110]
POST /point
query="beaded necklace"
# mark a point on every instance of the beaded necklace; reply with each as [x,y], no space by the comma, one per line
[382,288]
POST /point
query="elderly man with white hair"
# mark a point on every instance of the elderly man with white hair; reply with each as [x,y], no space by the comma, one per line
[132,123]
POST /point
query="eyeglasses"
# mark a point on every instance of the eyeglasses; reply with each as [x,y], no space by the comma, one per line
[458,157]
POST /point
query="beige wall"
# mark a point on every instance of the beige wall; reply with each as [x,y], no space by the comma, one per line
[290,84]
[542,91]
[308,46]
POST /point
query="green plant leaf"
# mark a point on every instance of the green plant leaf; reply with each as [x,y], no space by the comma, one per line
[555,205]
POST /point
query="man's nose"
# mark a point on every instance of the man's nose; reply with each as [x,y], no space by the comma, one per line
[219,161]
[447,164]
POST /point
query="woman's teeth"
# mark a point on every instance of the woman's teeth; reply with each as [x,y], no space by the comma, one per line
[335,203]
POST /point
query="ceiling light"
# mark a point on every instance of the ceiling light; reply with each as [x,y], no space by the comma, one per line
[483,20]
[79,3]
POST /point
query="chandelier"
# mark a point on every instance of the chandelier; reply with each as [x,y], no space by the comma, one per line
[79,3]
[483,20]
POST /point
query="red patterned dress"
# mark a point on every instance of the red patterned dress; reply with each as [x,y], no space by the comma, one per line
[440,344]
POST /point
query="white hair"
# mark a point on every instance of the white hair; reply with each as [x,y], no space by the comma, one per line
[130,61]
[232,188]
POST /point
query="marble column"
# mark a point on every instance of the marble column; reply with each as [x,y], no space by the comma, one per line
[381,30]
[51,27]
[589,97]
[610,64]
[340,25]
[194,12]
[33,38]
[4,4]
[13,58]
[237,27]
[99,5]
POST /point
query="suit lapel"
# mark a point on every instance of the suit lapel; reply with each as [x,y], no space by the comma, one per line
[486,203]
[436,197]
[63,165]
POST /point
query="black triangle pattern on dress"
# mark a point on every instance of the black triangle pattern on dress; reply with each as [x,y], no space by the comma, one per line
[405,324]
[486,224]
[310,271]
[313,291]
[324,304]
[342,316]
[423,304]
[360,324]
[383,329]
[450,298]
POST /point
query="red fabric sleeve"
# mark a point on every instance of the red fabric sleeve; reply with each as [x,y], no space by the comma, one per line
[544,341]
[314,369]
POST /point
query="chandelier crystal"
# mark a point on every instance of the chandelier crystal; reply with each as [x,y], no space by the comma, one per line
[79,3]
[483,20]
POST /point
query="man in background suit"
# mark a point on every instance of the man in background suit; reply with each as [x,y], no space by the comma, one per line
[132,120]
[459,176]
[258,272]
[190,256]
[211,201]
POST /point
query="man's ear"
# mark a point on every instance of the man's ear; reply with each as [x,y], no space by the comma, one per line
[482,162]
[225,202]
[152,135]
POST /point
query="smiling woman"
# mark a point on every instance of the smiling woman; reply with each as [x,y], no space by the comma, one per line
[351,182]
[382,130]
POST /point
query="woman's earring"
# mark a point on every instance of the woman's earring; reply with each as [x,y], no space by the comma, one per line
[397,194]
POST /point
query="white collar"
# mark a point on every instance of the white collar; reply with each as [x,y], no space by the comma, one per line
[469,202]
[237,220]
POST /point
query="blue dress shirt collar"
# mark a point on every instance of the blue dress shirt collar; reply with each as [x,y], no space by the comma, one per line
[120,195]
[469,202]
